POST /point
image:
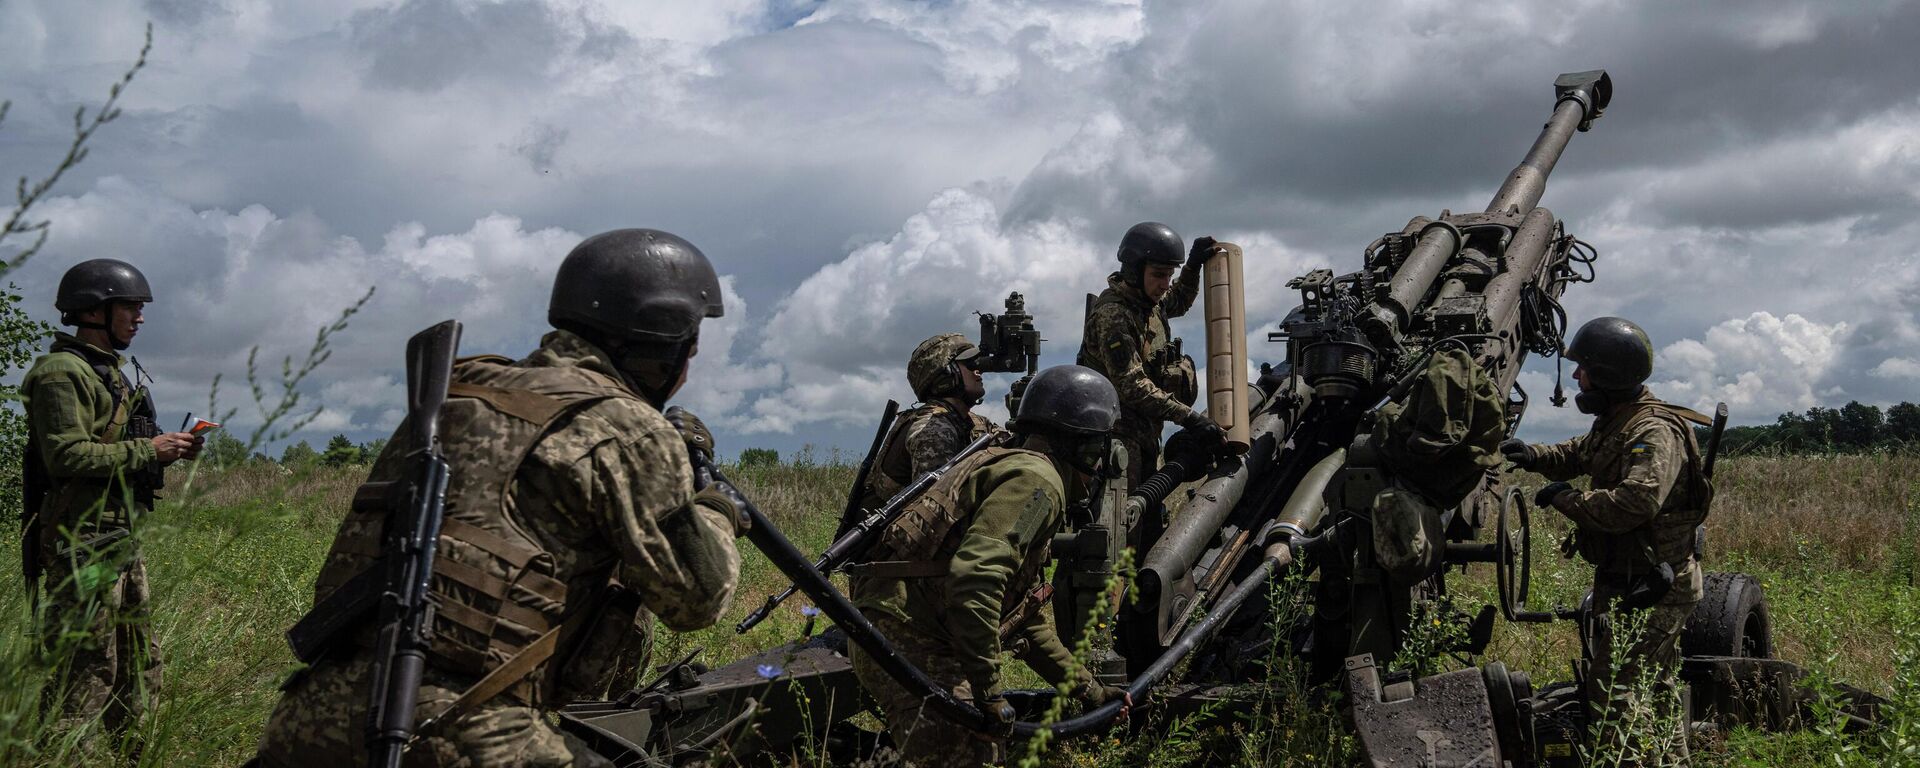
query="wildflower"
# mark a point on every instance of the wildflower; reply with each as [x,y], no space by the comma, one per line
[767,671]
[809,611]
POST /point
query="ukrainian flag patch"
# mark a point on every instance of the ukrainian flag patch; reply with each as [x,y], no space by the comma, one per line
[1640,449]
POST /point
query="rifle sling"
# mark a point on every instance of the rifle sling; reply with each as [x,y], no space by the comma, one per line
[508,674]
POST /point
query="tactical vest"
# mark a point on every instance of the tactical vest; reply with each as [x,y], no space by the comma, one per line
[1668,537]
[131,418]
[893,469]
[1166,366]
[919,546]
[495,585]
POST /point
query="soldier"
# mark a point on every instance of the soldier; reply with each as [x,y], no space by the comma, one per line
[1127,339]
[570,516]
[958,578]
[942,376]
[1636,526]
[93,461]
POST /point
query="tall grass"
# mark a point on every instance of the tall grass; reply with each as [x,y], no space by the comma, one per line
[1831,538]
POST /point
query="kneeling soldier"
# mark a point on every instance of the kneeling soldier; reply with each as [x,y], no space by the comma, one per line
[570,514]
[955,580]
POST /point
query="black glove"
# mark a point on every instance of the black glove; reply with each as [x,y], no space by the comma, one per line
[1202,248]
[1518,452]
[1544,498]
[722,496]
[692,429]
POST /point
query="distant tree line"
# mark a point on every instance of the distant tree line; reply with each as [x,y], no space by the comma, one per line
[1852,428]
[224,450]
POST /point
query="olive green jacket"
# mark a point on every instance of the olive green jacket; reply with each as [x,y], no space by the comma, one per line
[76,432]
[1016,502]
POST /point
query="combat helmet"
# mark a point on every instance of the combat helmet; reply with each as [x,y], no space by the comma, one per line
[635,285]
[1617,354]
[933,370]
[1150,242]
[1069,398]
[93,282]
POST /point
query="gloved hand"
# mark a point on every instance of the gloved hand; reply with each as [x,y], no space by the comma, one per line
[1202,248]
[1544,498]
[692,429]
[720,495]
[1095,694]
[1000,714]
[1518,452]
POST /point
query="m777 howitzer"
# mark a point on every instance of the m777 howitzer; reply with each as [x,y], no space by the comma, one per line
[1370,461]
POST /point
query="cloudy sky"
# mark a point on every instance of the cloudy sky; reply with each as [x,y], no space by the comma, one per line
[866,173]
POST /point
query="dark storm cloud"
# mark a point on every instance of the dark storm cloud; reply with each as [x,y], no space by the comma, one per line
[871,170]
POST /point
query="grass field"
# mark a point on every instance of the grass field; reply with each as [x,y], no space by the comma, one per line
[232,563]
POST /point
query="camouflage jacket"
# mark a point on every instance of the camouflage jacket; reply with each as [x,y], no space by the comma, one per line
[1010,503]
[1127,339]
[78,434]
[604,494]
[1648,492]
[920,440]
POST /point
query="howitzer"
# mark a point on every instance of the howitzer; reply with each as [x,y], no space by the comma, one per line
[860,536]
[405,612]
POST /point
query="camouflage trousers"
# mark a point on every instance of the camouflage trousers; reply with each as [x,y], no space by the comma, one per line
[1614,689]
[320,722]
[115,669]
[921,737]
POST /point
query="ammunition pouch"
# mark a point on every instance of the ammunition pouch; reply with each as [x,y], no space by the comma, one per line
[1174,372]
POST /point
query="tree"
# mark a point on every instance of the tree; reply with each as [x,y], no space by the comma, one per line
[1903,426]
[1856,426]
[371,449]
[340,452]
[299,456]
[224,450]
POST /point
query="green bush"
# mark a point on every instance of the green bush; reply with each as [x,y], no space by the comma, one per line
[759,457]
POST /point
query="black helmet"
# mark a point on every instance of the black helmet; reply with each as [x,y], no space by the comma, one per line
[641,285]
[1151,242]
[1616,354]
[93,282]
[1069,398]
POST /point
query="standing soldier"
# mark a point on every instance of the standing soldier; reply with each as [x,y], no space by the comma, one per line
[93,461]
[1127,339]
[957,578]
[1637,524]
[942,376]
[570,515]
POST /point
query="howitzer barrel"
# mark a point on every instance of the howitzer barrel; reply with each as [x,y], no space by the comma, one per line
[1174,555]
[1523,257]
[1579,99]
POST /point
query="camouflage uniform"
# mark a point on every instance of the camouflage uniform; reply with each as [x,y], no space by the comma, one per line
[933,432]
[1127,340]
[77,433]
[951,615]
[603,494]
[1648,497]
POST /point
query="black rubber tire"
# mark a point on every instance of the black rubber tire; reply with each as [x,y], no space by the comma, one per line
[1730,620]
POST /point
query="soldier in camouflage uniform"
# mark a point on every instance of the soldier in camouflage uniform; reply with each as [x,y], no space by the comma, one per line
[92,464]
[1636,525]
[1127,340]
[570,521]
[958,578]
[924,437]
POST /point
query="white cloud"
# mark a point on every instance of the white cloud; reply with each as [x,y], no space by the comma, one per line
[1759,365]
[1897,368]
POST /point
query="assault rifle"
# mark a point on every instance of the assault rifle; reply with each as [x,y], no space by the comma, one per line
[413,530]
[860,535]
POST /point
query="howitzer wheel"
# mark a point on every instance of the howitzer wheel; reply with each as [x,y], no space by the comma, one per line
[1731,619]
[1513,553]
